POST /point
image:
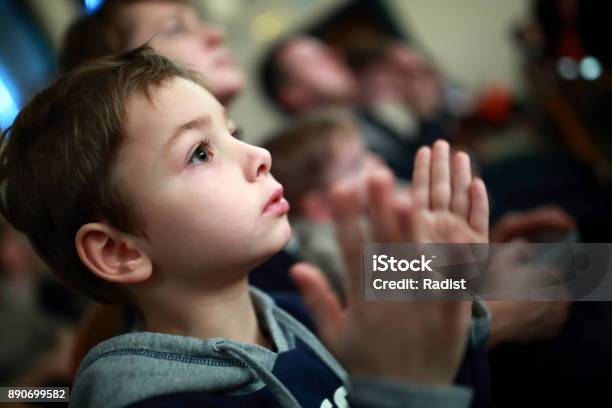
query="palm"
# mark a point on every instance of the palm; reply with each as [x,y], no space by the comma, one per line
[449,206]
[443,226]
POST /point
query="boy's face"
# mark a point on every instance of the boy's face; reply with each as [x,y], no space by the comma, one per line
[176,31]
[208,201]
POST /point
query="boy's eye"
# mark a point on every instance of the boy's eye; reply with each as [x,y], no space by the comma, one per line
[201,154]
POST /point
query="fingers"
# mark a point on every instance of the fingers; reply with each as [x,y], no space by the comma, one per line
[431,182]
[461,179]
[433,188]
[320,298]
[345,207]
[420,178]
[404,209]
[440,176]
[555,216]
[479,208]
[381,192]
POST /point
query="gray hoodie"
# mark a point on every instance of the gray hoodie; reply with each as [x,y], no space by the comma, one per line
[142,365]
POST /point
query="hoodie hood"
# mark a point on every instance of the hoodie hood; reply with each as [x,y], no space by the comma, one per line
[136,366]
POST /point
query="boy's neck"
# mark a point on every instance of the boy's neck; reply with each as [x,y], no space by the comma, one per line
[226,312]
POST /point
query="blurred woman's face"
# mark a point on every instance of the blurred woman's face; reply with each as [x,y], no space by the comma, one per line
[176,31]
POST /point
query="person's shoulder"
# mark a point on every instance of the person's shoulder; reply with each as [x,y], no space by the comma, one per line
[136,366]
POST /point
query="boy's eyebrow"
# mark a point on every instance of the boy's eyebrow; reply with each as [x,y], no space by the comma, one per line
[199,122]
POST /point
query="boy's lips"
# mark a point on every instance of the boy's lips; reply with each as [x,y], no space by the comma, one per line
[276,204]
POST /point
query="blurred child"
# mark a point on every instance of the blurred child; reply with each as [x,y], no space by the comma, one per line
[309,156]
[126,178]
[312,155]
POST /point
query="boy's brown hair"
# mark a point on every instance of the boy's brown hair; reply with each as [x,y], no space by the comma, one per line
[302,153]
[104,32]
[57,160]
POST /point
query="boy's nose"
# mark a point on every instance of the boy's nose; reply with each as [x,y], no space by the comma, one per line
[259,163]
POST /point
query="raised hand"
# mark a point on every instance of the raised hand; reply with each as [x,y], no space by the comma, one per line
[419,341]
[449,206]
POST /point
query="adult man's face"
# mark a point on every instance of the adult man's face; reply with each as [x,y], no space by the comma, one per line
[316,73]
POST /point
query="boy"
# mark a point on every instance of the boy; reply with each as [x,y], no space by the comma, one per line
[173,29]
[126,178]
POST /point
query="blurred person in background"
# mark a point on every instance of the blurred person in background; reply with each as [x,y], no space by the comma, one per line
[35,350]
[402,76]
[309,155]
[172,27]
[27,285]
[19,270]
[37,316]
[302,74]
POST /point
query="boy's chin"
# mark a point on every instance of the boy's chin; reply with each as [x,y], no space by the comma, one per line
[282,237]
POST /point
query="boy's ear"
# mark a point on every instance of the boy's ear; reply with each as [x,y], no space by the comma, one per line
[314,206]
[112,255]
